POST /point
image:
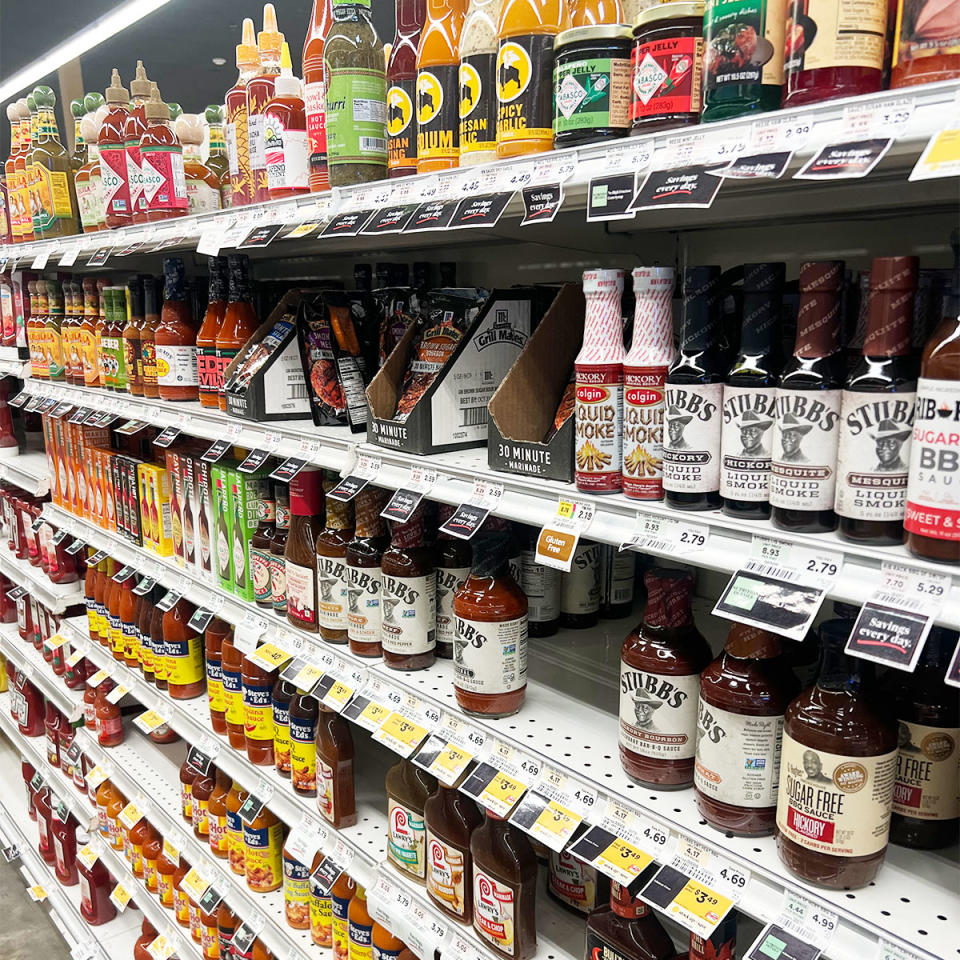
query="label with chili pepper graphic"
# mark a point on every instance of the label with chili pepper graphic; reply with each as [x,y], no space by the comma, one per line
[666,77]
[592,94]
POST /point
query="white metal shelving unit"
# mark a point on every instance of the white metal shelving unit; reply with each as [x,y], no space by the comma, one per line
[27,470]
[56,597]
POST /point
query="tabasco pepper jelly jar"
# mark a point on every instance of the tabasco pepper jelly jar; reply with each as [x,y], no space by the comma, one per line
[666,73]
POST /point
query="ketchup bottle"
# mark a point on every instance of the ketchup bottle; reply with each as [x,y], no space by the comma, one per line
[41,802]
[27,771]
[95,886]
[64,837]
[30,712]
[113,155]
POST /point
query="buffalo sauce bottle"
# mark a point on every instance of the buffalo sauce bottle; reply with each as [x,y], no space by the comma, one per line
[744,694]
[837,772]
[133,129]
[438,64]
[363,556]
[315,94]
[660,669]
[237,133]
[300,556]
[208,368]
[113,155]
[259,92]
[877,410]
[401,88]
[331,549]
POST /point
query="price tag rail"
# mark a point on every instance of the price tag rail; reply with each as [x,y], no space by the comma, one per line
[55,597]
[27,470]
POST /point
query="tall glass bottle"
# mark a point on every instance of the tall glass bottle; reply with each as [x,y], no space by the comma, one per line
[56,214]
[363,556]
[259,91]
[208,368]
[148,336]
[401,88]
[748,396]
[79,155]
[217,159]
[876,412]
[315,93]
[807,427]
[300,556]
[478,82]
[331,546]
[260,561]
[238,142]
[130,335]
[239,320]
[176,338]
[133,130]
[278,545]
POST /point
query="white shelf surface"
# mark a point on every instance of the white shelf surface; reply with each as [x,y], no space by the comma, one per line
[11,363]
[28,470]
[525,499]
[56,597]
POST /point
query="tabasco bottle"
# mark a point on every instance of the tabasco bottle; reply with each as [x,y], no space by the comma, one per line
[644,375]
[208,368]
[113,155]
[331,546]
[56,215]
[807,426]
[239,319]
[438,65]
[599,374]
[259,92]
[300,557]
[286,142]
[161,156]
[401,88]
[746,432]
[315,94]
[217,159]
[238,143]
[876,412]
[133,129]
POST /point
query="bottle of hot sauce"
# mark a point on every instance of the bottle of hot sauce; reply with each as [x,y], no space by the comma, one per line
[260,89]
[238,142]
[133,130]
[315,94]
[286,142]
[438,64]
[200,814]
[217,815]
[239,321]
[208,368]
[336,799]
[599,392]
[401,88]
[876,412]
[183,650]
[660,667]
[130,336]
[263,852]
[490,649]
[176,338]
[359,926]
[148,337]
[341,893]
[303,744]
[644,374]
[450,818]
[214,636]
[113,155]
[231,666]
[258,712]
[161,158]
[283,694]
[236,854]
[300,556]
[837,772]
[217,160]
[363,556]
[331,548]
[807,428]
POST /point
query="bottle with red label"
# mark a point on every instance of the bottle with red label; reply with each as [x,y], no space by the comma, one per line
[599,385]
[691,441]
[236,130]
[300,557]
[286,144]
[111,145]
[644,376]
[208,367]
[63,833]
[96,885]
[133,130]
[161,162]
[315,94]
[28,707]
[43,805]
[260,91]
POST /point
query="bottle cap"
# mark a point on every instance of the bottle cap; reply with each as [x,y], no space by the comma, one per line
[116,92]
[603,281]
[175,109]
[189,128]
[286,85]
[13,111]
[821,275]
[140,85]
[668,597]
[893,285]
[893,273]
[752,643]
[23,107]
[155,108]
[214,113]
[648,280]
[31,103]
[270,39]
[764,277]
[77,108]
[44,96]
[92,101]
[247,54]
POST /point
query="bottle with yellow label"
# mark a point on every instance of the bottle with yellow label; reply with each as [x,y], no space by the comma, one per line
[359,927]
[236,852]
[263,852]
[321,912]
[296,892]
[303,744]
[258,712]
[183,652]
[56,213]
[341,893]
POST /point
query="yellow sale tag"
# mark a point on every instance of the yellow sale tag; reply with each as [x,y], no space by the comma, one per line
[308,677]
[271,657]
[451,760]
[194,885]
[96,776]
[565,509]
[161,948]
[37,893]
[338,695]
[624,858]
[699,908]
[556,820]
[944,150]
[502,791]
[149,721]
[120,897]
[98,678]
[130,815]
[88,856]
[57,640]
[401,730]
[374,713]
[171,851]
[75,658]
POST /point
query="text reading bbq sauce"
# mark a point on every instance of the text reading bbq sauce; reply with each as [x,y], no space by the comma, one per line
[300,557]
[744,693]
[837,771]
[450,818]
[660,669]
[626,929]
[364,553]
[876,414]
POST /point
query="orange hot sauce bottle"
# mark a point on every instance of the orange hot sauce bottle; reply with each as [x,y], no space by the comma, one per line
[259,93]
[176,338]
[207,365]
[113,155]
[239,321]
[133,130]
[315,94]
[238,143]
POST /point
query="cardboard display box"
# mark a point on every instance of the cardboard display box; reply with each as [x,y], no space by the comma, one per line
[524,406]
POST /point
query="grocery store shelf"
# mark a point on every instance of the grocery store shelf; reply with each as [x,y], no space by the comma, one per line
[11,363]
[28,471]
[525,499]
[55,597]
[574,739]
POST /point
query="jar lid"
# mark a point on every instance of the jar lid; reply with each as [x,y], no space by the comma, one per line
[602,31]
[668,11]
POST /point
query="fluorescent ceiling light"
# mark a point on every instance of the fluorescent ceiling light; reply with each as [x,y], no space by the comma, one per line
[86,39]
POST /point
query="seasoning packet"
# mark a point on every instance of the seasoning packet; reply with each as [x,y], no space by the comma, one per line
[400,307]
[255,354]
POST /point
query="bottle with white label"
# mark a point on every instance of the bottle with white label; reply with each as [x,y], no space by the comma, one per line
[407,788]
[541,584]
[807,426]
[618,569]
[364,553]
[746,433]
[744,694]
[454,557]
[837,772]
[598,415]
[876,413]
[694,393]
[644,376]
[331,544]
[580,588]
[450,817]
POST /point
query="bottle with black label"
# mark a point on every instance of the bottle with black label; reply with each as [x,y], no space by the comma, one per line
[541,584]
[627,929]
[748,396]
[618,569]
[580,588]
[807,427]
[454,557]
[691,436]
[876,413]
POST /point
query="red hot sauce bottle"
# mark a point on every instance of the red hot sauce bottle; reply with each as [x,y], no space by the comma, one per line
[300,556]
[660,666]
[113,155]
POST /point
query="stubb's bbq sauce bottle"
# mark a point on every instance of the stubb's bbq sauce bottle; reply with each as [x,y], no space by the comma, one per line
[691,444]
[364,553]
[807,428]
[876,414]
[598,416]
[660,666]
[748,396]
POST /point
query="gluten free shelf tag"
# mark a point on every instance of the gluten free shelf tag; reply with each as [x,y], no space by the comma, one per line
[558,539]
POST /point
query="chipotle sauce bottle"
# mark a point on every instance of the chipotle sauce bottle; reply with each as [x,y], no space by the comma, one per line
[626,929]
[876,412]
[363,557]
[744,694]
[837,771]
[331,546]
[300,556]
[748,396]
[660,669]
[807,428]
[694,393]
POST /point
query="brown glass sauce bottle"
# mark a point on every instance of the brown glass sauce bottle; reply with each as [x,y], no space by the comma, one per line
[626,929]
[331,546]
[364,554]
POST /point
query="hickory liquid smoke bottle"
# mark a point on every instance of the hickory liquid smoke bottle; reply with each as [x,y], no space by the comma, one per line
[644,375]
[691,445]
[876,413]
[807,427]
[746,432]
[598,416]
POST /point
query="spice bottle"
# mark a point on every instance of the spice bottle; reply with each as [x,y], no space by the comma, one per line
[599,379]
[283,694]
[278,544]
[263,852]
[877,410]
[660,669]
[315,94]
[335,787]
[363,556]
[580,588]
[286,144]
[504,888]
[454,557]
[408,609]
[236,130]
[239,320]
[113,155]
[627,928]
[744,694]
[331,548]
[837,772]
[258,712]
[161,158]
[176,338]
[490,649]
[401,88]
[746,437]
[691,445]
[807,427]
[645,369]
[300,556]
[208,367]
[541,584]
[407,789]
[303,744]
[450,818]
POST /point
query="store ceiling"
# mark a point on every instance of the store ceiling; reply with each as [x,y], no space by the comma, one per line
[176,43]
